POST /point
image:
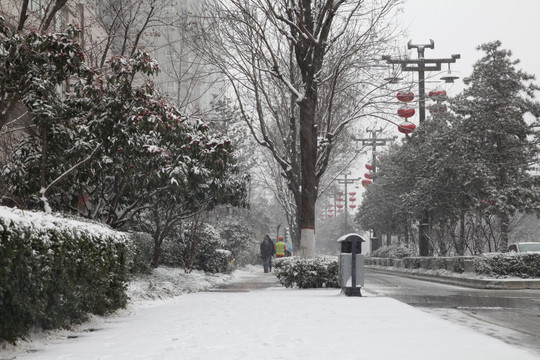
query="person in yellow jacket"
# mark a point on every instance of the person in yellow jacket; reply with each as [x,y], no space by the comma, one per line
[280,248]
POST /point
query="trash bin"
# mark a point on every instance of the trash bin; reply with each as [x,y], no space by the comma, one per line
[351,264]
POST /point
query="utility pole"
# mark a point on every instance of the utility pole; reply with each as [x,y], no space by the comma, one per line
[375,141]
[421,65]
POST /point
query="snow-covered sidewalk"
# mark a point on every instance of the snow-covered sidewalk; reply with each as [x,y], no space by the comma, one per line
[275,323]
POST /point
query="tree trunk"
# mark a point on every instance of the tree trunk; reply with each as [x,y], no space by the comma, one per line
[308,159]
[478,233]
[505,228]
[157,253]
[460,246]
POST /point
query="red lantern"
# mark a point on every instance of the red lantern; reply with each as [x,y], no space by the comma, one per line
[437,95]
[352,206]
[369,167]
[405,113]
[330,215]
[406,127]
[330,210]
[340,199]
[340,206]
[366,182]
[352,193]
[352,199]
[368,175]
[341,210]
[405,97]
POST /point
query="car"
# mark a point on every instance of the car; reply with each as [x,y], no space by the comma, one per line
[521,247]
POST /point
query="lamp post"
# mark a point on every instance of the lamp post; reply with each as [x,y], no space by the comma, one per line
[421,65]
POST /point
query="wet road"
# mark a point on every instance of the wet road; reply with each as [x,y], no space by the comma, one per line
[510,315]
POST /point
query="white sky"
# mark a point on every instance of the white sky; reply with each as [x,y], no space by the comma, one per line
[459,26]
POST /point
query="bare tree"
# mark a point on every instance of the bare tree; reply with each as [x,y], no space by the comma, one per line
[122,26]
[302,72]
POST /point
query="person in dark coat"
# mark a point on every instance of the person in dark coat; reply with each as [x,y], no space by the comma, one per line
[267,251]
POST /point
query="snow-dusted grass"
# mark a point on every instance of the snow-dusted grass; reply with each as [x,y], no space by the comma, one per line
[165,282]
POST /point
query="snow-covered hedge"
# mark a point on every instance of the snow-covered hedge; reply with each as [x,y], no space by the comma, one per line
[321,271]
[524,265]
[54,271]
[394,251]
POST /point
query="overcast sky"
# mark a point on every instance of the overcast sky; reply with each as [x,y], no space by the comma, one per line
[459,26]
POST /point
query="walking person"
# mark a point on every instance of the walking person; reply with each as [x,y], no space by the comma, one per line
[267,251]
[280,248]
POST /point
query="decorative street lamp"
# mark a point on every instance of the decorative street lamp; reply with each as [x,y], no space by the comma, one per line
[421,65]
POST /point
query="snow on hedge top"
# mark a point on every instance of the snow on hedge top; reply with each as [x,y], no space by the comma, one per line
[40,220]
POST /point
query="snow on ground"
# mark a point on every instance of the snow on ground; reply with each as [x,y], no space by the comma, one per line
[144,290]
[273,323]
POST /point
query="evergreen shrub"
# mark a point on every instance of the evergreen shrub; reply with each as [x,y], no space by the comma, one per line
[140,251]
[320,271]
[212,257]
[205,252]
[54,272]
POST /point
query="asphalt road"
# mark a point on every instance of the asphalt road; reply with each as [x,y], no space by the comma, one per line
[510,315]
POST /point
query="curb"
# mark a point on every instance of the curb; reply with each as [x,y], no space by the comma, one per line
[501,284]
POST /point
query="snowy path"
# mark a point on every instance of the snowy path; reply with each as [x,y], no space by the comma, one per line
[278,323]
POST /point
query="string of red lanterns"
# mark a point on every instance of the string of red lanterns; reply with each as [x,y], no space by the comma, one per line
[406,127]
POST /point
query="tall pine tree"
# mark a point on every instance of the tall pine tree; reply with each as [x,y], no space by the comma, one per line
[497,136]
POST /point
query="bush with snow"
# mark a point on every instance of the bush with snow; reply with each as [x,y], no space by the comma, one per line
[54,271]
[196,246]
[320,271]
[240,240]
[140,251]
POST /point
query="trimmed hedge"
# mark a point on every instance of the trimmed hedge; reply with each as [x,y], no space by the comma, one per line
[318,272]
[394,251]
[54,271]
[523,265]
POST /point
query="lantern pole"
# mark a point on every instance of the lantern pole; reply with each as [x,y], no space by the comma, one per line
[346,181]
[421,65]
[375,141]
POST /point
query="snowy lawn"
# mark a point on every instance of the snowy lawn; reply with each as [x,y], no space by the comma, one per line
[274,323]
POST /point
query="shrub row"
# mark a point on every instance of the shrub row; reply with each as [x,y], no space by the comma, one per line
[456,264]
[318,272]
[55,271]
[394,251]
[524,265]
